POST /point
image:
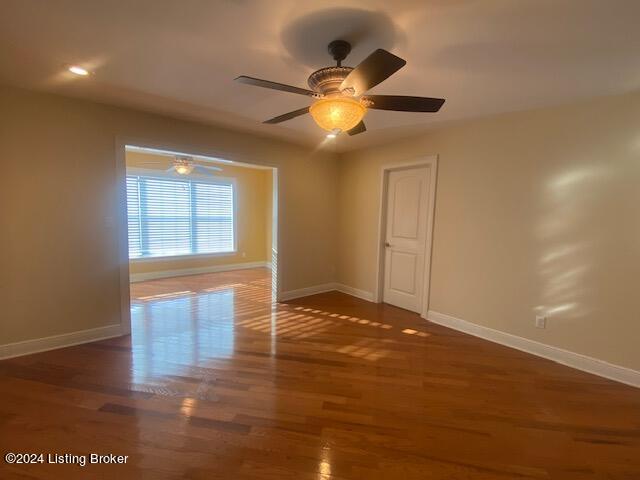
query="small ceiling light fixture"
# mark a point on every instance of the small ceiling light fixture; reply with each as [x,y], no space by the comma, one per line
[78,70]
[341,113]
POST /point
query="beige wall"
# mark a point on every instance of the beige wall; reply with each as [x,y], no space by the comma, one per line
[253,205]
[59,263]
[535,212]
[268,213]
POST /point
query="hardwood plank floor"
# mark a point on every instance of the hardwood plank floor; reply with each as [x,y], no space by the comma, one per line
[217,383]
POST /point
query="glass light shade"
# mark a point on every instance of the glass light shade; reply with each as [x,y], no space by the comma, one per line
[341,113]
[183,168]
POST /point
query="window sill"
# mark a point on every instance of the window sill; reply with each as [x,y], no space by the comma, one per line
[171,258]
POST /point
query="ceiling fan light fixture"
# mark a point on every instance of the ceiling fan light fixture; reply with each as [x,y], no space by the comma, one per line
[183,165]
[342,113]
[184,169]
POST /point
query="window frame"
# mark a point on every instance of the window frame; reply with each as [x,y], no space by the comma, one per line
[217,180]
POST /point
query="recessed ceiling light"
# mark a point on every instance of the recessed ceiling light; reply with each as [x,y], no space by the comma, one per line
[78,71]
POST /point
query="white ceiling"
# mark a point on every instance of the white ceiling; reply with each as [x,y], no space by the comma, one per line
[180,57]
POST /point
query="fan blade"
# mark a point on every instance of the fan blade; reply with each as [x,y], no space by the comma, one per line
[401,103]
[288,116]
[208,167]
[374,69]
[256,82]
[202,169]
[359,128]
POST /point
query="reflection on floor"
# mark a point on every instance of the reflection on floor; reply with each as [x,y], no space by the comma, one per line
[215,382]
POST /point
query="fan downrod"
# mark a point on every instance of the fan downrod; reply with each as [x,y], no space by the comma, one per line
[339,49]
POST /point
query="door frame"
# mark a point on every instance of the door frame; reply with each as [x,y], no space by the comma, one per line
[121,142]
[430,161]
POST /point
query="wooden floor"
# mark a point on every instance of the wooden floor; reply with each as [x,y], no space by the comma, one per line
[215,383]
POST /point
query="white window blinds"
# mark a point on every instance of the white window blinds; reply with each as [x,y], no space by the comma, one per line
[168,217]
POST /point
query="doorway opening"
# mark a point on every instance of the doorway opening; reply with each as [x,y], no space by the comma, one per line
[198,237]
[407,210]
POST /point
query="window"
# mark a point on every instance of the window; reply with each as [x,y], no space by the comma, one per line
[169,217]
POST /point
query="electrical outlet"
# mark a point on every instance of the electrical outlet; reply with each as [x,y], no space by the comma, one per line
[541,321]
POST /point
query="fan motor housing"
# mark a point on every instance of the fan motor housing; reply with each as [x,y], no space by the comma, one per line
[327,81]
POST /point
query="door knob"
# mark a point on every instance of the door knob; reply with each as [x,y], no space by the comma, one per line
[387,244]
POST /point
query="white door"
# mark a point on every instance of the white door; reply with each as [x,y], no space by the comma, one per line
[407,207]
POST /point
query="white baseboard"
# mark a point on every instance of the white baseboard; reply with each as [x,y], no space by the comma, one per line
[565,357]
[28,347]
[327,287]
[305,292]
[141,277]
[354,292]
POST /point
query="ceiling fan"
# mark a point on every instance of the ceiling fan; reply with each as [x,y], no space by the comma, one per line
[340,92]
[184,165]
